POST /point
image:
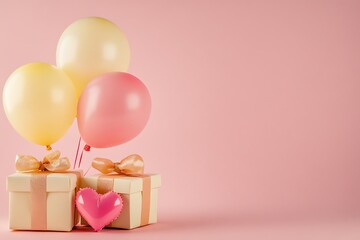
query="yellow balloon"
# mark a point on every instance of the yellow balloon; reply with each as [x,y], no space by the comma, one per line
[90,47]
[40,102]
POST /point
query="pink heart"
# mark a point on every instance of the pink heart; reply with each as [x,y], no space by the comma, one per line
[98,209]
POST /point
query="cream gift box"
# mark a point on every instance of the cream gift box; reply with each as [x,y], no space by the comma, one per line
[42,200]
[139,194]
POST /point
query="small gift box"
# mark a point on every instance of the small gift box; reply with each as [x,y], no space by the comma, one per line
[139,194]
[42,201]
[40,198]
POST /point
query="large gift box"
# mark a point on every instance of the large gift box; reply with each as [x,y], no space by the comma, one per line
[42,200]
[139,194]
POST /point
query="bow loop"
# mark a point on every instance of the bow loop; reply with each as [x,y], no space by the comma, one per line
[132,165]
[51,162]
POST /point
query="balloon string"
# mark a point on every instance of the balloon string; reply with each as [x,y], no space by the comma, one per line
[86,148]
[77,153]
[81,156]
[87,170]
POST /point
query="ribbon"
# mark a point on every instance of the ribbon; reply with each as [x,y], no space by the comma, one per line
[105,183]
[145,207]
[132,165]
[51,162]
[38,198]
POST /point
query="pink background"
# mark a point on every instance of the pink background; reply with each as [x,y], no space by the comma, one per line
[256,110]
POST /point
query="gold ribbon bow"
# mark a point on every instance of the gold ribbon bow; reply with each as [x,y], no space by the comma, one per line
[51,162]
[132,165]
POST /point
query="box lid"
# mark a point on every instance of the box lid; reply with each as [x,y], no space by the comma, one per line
[55,182]
[123,184]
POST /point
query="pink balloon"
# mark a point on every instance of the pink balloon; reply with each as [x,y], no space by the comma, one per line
[113,109]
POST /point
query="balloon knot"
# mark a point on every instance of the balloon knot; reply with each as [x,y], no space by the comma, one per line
[87,148]
[48,147]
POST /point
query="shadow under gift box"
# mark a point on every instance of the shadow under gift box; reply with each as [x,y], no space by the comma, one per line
[139,194]
[43,200]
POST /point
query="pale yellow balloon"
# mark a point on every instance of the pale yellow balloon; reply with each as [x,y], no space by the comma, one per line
[90,47]
[40,102]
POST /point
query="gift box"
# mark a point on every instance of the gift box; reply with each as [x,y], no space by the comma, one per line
[43,200]
[139,194]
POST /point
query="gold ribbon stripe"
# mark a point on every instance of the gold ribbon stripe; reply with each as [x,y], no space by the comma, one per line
[38,198]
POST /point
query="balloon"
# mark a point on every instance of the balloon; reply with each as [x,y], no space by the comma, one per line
[40,102]
[97,209]
[90,47]
[113,109]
